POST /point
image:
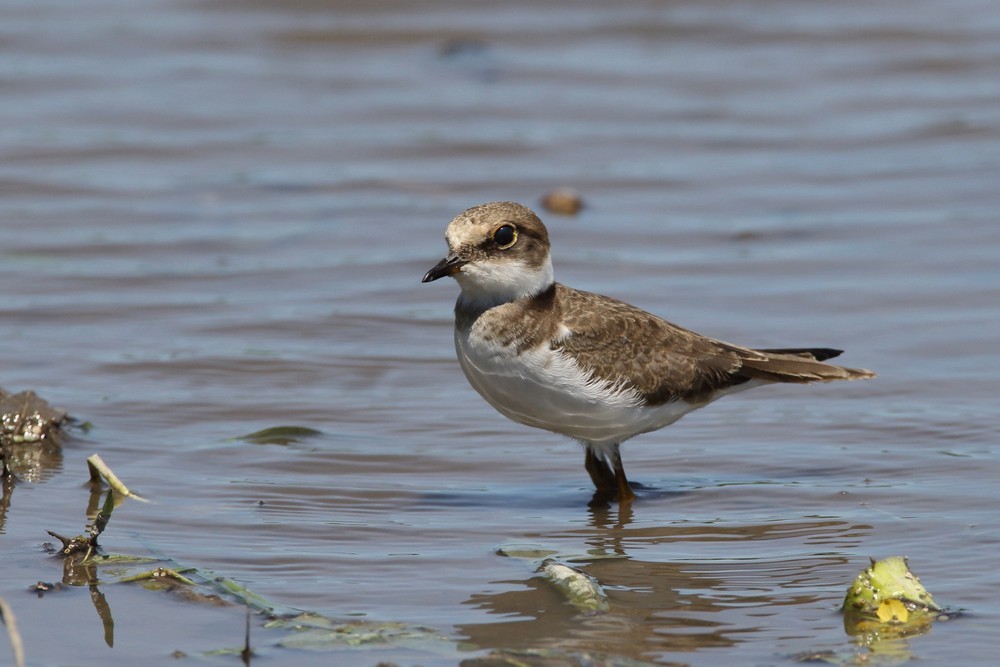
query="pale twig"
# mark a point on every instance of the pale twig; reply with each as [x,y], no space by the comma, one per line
[99,467]
[15,637]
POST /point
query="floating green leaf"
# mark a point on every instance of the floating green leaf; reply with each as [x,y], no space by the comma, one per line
[280,435]
[888,580]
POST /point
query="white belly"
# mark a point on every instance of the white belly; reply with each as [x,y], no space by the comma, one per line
[546,389]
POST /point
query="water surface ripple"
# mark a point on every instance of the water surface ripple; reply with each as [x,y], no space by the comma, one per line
[214,217]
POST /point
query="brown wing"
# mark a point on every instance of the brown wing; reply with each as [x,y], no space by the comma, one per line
[665,362]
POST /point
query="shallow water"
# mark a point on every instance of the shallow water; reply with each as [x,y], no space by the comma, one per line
[214,219]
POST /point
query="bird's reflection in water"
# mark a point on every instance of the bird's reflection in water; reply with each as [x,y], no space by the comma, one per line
[665,602]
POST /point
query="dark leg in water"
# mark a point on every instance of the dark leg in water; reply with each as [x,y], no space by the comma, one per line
[610,480]
[600,472]
[625,494]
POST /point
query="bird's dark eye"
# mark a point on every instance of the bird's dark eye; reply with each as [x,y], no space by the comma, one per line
[505,236]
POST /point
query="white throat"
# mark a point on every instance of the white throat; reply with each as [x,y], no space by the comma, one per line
[488,284]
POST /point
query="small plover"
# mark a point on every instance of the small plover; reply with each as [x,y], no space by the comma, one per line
[585,365]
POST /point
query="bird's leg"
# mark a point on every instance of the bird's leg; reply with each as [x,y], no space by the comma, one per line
[625,494]
[600,473]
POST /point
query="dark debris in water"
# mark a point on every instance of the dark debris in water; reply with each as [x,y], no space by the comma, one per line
[43,587]
[30,431]
[24,417]
[563,201]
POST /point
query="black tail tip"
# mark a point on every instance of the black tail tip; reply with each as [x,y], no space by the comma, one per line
[817,353]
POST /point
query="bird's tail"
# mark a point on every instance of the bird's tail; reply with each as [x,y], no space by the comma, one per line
[804,364]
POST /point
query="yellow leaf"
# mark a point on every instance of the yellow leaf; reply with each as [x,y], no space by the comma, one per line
[893,610]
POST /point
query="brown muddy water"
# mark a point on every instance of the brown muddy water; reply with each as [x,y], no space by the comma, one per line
[214,218]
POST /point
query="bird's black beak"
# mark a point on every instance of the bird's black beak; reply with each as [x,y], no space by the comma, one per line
[448,266]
